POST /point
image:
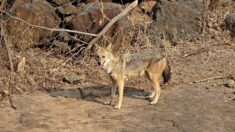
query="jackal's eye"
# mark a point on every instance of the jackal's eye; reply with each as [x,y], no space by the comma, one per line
[103,56]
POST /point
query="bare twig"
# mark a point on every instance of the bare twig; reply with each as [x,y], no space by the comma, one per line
[195,52]
[204,49]
[207,79]
[10,90]
[46,28]
[11,102]
[115,19]
[9,53]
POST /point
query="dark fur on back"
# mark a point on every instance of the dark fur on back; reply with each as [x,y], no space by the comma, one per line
[167,73]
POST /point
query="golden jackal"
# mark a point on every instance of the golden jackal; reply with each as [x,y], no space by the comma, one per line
[147,62]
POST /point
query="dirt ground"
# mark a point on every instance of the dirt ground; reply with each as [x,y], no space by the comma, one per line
[200,97]
[46,96]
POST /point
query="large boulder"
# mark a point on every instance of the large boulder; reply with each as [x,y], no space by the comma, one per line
[60,2]
[174,20]
[230,23]
[67,9]
[93,17]
[36,13]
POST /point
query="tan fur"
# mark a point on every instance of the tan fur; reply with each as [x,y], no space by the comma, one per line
[148,62]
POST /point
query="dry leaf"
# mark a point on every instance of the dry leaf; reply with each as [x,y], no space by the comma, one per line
[21,66]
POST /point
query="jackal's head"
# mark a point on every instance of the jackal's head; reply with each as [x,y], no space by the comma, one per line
[104,55]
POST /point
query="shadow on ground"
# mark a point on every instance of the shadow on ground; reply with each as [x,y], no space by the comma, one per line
[89,92]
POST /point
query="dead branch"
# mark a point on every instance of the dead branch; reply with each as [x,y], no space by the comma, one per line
[11,102]
[207,79]
[115,19]
[46,28]
[195,52]
[9,53]
[206,48]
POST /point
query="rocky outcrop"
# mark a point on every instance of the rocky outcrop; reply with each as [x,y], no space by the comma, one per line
[93,17]
[174,20]
[36,13]
[67,9]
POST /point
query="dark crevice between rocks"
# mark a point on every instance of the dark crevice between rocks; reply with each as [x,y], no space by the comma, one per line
[52,3]
[74,2]
[156,9]
[72,41]
[59,14]
[8,4]
[129,1]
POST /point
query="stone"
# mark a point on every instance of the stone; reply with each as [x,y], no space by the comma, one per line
[67,9]
[60,2]
[93,17]
[36,13]
[177,20]
[73,77]
[230,23]
[230,84]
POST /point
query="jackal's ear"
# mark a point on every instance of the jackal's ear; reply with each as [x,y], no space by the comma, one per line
[97,47]
[109,47]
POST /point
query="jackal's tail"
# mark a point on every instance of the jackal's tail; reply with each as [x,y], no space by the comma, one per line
[167,73]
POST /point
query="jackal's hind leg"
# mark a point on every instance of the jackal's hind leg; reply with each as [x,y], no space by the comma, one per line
[154,78]
[157,90]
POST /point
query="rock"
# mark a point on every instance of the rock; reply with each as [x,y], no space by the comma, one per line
[91,1]
[175,20]
[230,23]
[147,6]
[232,74]
[36,13]
[60,2]
[91,18]
[61,47]
[73,77]
[230,84]
[67,9]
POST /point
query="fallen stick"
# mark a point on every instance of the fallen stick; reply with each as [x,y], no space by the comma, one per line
[207,79]
[115,19]
[195,52]
[11,102]
[204,49]
[46,28]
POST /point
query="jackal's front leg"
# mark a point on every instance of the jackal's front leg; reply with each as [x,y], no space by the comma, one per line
[113,92]
[120,93]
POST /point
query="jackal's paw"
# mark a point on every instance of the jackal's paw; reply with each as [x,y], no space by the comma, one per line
[117,107]
[153,102]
